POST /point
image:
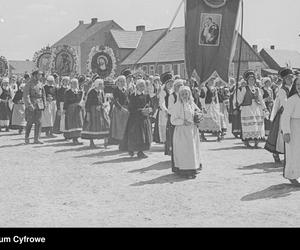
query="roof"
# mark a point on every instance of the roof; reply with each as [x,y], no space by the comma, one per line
[82,32]
[147,41]
[20,67]
[284,58]
[168,49]
[127,39]
[248,53]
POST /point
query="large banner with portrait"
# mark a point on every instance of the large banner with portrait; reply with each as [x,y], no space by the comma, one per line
[3,66]
[64,61]
[102,61]
[210,37]
[42,59]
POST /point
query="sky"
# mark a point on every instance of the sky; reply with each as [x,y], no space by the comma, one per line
[28,25]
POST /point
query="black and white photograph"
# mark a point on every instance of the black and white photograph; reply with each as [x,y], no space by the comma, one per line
[210,29]
[149,114]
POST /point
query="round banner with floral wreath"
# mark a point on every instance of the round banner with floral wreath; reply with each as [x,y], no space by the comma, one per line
[102,61]
[3,66]
[42,59]
[64,61]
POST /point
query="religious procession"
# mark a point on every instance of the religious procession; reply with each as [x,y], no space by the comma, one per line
[108,99]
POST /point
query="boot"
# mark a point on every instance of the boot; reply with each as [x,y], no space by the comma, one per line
[92,144]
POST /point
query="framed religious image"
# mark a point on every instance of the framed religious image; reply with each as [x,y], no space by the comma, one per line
[210,29]
[3,66]
[42,59]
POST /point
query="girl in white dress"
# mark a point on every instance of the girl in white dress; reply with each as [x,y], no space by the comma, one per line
[291,132]
[186,139]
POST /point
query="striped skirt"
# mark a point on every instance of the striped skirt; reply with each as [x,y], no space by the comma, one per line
[97,127]
[73,121]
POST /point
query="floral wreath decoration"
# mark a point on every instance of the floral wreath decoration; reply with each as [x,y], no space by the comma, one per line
[37,55]
[102,49]
[5,62]
[64,48]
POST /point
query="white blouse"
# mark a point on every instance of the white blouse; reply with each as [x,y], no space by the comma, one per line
[291,111]
[280,101]
[183,111]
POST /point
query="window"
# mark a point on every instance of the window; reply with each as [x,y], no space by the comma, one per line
[145,69]
[160,69]
[182,70]
[152,70]
[176,69]
[168,67]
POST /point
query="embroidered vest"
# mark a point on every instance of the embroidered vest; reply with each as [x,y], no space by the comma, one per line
[249,96]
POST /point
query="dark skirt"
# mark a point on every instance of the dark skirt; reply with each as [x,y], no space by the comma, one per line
[138,135]
[98,125]
[271,144]
[119,121]
[268,124]
[169,137]
[236,122]
[73,122]
[5,114]
[156,137]
[56,126]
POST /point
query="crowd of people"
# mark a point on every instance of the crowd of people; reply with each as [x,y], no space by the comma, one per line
[166,109]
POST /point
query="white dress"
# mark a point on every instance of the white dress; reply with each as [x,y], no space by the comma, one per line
[162,117]
[291,125]
[186,139]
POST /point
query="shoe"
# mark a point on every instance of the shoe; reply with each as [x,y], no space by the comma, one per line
[7,130]
[276,158]
[131,154]
[38,142]
[141,155]
[26,141]
[93,146]
[295,183]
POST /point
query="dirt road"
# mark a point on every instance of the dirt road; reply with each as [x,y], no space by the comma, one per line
[60,185]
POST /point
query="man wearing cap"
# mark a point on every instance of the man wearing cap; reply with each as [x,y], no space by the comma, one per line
[275,142]
[34,99]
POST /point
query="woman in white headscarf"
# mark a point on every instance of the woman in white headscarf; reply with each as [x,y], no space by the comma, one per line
[120,111]
[73,112]
[96,123]
[18,115]
[49,114]
[186,140]
[5,97]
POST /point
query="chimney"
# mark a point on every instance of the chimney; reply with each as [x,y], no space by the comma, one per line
[272,47]
[81,22]
[255,48]
[141,28]
[94,20]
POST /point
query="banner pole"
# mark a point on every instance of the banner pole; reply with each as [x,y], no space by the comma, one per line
[240,54]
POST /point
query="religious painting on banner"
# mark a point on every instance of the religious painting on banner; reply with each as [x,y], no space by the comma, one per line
[3,66]
[42,59]
[64,61]
[102,62]
[210,27]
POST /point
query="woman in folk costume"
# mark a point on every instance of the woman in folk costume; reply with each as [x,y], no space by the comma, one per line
[18,113]
[5,97]
[173,99]
[97,122]
[269,101]
[223,96]
[138,133]
[275,143]
[58,126]
[291,134]
[211,122]
[186,139]
[167,89]
[49,114]
[156,108]
[120,111]
[73,112]
[253,111]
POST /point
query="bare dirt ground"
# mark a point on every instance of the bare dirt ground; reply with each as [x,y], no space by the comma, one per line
[60,185]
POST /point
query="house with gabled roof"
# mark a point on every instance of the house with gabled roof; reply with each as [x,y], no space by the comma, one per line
[277,58]
[86,36]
